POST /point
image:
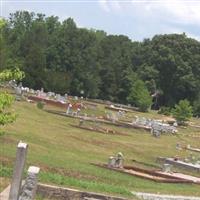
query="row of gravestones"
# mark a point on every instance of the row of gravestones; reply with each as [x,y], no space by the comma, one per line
[115,116]
[157,127]
[192,159]
[26,190]
[20,91]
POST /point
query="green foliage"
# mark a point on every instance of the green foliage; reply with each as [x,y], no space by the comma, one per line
[5,171]
[62,57]
[40,105]
[182,111]
[165,111]
[85,147]
[139,96]
[15,74]
[6,99]
[84,184]
[5,102]
[2,23]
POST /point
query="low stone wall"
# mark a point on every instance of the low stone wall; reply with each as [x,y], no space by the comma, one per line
[61,193]
[149,196]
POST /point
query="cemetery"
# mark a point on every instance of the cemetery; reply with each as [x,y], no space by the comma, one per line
[99,100]
[56,133]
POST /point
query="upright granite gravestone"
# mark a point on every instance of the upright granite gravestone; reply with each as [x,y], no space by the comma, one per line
[30,186]
[116,161]
[18,171]
[69,109]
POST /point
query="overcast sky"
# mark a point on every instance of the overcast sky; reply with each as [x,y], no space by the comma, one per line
[138,19]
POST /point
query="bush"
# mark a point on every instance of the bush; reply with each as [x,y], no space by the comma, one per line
[40,105]
[139,96]
[6,99]
[182,111]
[165,111]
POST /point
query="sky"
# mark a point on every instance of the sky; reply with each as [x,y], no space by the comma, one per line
[138,19]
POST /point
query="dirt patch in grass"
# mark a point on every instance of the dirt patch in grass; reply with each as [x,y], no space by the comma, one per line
[6,161]
[7,140]
[92,141]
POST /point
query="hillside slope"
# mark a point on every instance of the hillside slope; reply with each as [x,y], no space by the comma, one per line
[64,153]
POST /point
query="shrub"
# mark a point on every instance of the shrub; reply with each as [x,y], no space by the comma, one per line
[6,100]
[40,105]
[139,96]
[165,111]
[182,111]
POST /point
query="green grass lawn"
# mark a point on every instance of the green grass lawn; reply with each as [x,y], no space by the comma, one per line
[64,153]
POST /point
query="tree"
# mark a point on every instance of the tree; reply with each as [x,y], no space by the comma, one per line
[15,74]
[35,42]
[6,99]
[60,56]
[139,96]
[3,49]
[182,111]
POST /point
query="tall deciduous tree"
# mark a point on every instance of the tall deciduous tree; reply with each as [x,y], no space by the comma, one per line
[139,95]
[62,57]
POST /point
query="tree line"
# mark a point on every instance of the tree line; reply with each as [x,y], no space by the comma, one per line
[61,57]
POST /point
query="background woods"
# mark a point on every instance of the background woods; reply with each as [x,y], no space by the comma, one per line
[61,57]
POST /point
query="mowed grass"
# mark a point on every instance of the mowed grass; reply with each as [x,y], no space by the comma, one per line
[65,154]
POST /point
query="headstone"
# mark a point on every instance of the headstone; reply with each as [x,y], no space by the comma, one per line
[20,84]
[119,160]
[81,122]
[157,127]
[18,171]
[32,91]
[18,90]
[108,115]
[69,109]
[78,111]
[155,132]
[175,124]
[120,114]
[166,168]
[178,146]
[30,186]
[111,161]
[58,96]
[12,83]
